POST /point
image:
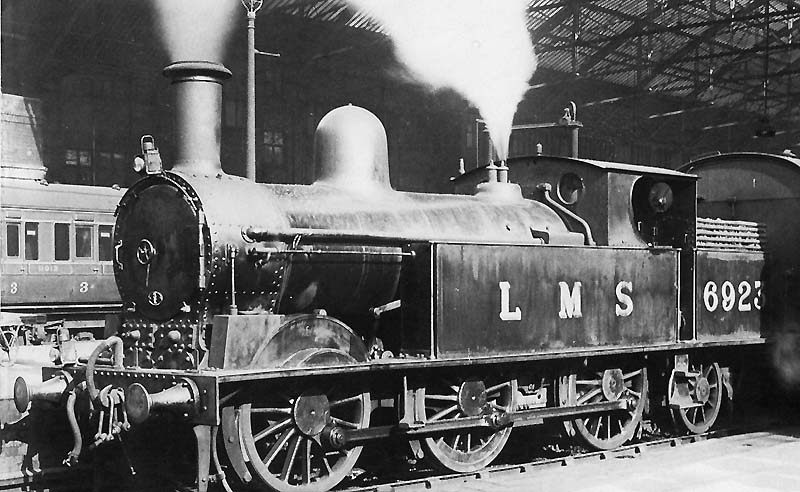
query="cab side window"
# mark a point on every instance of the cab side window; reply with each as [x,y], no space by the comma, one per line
[61,243]
[12,240]
[83,241]
[31,240]
[104,242]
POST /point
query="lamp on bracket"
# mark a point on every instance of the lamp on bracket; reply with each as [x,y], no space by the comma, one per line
[252,6]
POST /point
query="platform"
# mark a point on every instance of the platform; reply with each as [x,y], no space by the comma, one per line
[753,462]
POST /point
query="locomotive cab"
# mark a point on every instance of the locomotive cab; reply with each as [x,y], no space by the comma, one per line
[622,204]
[664,209]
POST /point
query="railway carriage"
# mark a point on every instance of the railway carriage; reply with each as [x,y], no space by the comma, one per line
[283,316]
[56,251]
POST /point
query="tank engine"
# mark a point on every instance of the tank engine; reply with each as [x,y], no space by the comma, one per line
[286,315]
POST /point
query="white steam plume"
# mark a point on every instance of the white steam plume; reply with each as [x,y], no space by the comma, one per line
[198,30]
[480,48]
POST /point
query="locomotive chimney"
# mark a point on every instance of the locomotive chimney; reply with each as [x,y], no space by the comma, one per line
[198,109]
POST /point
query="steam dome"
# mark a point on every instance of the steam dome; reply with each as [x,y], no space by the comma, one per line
[350,150]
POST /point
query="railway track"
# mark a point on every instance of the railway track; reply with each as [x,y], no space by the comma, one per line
[429,480]
[418,478]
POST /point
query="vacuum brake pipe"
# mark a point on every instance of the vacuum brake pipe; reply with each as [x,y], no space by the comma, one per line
[116,360]
[545,188]
[217,464]
[75,452]
[296,234]
[325,235]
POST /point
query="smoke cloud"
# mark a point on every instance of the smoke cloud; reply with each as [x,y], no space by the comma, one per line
[198,29]
[479,48]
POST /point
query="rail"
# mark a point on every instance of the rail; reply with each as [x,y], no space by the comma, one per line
[495,473]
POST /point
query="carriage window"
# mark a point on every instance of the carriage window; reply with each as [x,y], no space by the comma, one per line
[61,241]
[31,240]
[83,241]
[12,240]
[104,244]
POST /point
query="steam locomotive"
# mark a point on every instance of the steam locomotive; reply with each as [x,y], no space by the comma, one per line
[287,315]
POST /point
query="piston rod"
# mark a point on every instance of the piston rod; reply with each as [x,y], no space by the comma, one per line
[518,418]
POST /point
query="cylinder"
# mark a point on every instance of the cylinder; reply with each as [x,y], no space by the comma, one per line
[198,108]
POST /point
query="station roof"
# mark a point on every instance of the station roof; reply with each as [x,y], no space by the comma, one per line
[741,54]
[737,53]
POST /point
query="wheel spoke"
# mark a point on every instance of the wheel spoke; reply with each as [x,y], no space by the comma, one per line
[634,393]
[277,410]
[277,426]
[441,397]
[631,374]
[307,459]
[469,441]
[588,382]
[288,463]
[343,401]
[278,446]
[588,396]
[344,423]
[446,411]
[496,387]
